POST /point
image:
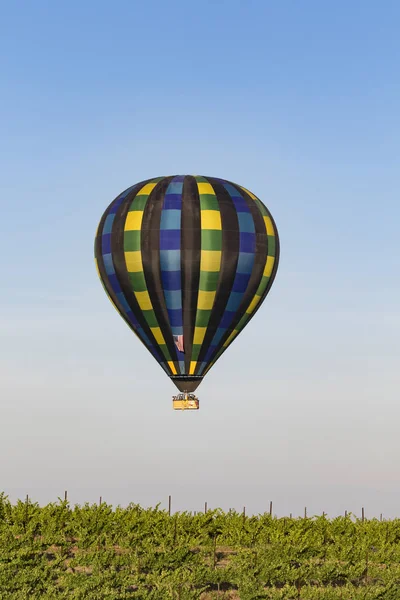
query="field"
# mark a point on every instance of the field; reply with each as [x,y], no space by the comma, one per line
[96,552]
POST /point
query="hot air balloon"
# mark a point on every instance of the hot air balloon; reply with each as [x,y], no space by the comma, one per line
[187,261]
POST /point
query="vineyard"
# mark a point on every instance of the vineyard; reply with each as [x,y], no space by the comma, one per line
[97,552]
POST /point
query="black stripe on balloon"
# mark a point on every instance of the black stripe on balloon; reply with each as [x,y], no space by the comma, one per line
[273,274]
[150,247]
[258,266]
[277,256]
[229,260]
[118,254]
[274,269]
[190,262]
[99,255]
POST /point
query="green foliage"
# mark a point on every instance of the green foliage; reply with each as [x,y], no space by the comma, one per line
[93,552]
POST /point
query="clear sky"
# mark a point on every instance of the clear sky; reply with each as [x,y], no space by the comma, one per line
[299,102]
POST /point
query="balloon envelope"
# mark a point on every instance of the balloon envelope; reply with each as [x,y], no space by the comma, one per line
[187,261]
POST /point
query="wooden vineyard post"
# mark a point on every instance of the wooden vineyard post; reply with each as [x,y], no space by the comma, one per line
[100,500]
[244,513]
[305,512]
[65,496]
[169,505]
[215,552]
[270,509]
[205,507]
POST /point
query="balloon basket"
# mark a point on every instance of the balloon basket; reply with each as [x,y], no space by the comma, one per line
[185,402]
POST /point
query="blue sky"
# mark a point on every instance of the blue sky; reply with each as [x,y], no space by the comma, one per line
[299,102]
